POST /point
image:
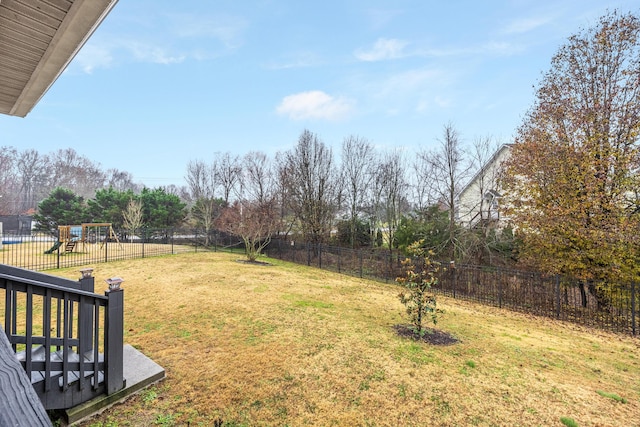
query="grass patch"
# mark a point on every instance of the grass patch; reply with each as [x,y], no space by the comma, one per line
[292,345]
[613,396]
[569,422]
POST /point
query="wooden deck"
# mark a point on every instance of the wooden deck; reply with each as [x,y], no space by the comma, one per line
[19,405]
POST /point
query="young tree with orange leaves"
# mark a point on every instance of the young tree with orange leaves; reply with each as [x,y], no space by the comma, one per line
[572,178]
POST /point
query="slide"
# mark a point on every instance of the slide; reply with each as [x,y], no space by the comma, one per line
[53,248]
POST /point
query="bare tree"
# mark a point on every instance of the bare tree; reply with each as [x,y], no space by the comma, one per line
[257,179]
[479,201]
[201,179]
[487,178]
[133,216]
[35,175]
[121,181]
[392,186]
[75,172]
[227,169]
[9,195]
[254,222]
[423,189]
[203,184]
[448,171]
[312,188]
[358,158]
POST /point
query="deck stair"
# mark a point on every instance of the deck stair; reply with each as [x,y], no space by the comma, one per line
[77,387]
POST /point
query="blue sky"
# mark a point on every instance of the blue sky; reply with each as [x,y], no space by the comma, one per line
[163,82]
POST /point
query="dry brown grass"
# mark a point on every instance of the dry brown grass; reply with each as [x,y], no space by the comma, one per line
[254,345]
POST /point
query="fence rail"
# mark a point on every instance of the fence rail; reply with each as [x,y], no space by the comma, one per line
[607,306]
[38,251]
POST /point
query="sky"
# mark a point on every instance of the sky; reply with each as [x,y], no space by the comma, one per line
[161,83]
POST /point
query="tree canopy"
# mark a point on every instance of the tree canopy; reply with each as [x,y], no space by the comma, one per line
[572,178]
[161,209]
[62,207]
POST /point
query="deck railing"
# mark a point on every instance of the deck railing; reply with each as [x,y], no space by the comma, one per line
[68,339]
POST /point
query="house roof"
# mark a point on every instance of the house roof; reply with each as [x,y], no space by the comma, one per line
[485,167]
[38,39]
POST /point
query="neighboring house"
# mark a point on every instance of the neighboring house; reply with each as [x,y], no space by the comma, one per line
[479,200]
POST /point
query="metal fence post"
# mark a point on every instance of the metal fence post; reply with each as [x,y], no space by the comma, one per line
[360,252]
[499,290]
[634,311]
[557,295]
[452,266]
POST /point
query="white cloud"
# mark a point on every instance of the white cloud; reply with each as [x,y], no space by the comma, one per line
[315,105]
[166,39]
[93,56]
[298,60]
[525,25]
[227,29]
[383,49]
[149,53]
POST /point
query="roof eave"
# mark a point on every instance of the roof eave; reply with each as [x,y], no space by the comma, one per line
[80,22]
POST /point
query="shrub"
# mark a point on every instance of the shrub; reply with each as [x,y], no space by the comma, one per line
[417,280]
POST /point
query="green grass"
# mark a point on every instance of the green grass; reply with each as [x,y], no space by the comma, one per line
[569,422]
[613,396]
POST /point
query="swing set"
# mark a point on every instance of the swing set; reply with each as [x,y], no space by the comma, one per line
[71,235]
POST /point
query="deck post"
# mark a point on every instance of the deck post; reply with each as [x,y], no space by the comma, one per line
[114,338]
[85,314]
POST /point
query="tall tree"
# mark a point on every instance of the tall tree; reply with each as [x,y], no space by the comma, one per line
[257,180]
[253,221]
[448,170]
[109,205]
[391,175]
[160,209]
[227,169]
[203,184]
[121,181]
[132,216]
[62,207]
[9,197]
[34,172]
[312,189]
[479,201]
[574,168]
[76,172]
[356,173]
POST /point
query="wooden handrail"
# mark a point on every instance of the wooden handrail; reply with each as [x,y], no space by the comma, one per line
[72,317]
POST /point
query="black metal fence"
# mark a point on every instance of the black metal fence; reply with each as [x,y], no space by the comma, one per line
[603,305]
[608,306]
[38,251]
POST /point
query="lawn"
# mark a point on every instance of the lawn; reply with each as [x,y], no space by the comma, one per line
[282,344]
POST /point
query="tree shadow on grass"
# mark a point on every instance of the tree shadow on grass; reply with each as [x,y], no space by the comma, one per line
[431,336]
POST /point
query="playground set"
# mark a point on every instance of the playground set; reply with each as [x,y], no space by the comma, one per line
[71,235]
